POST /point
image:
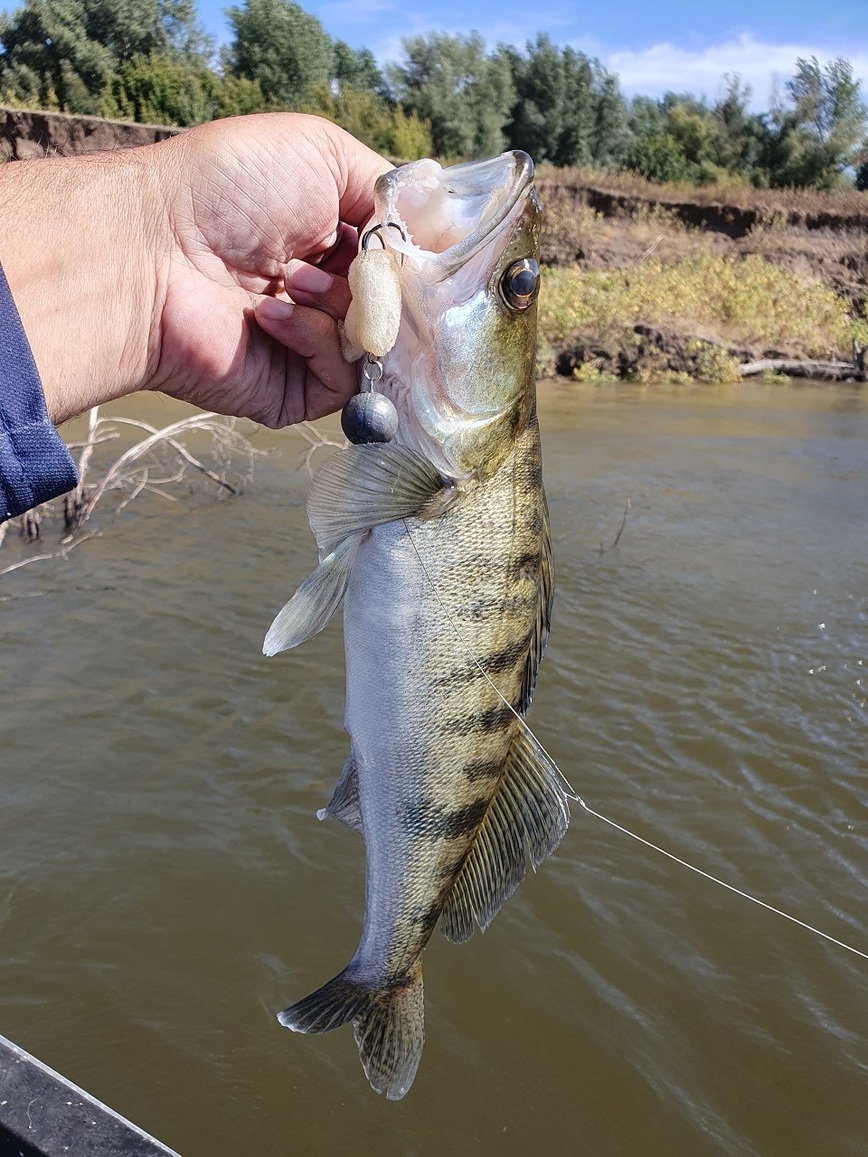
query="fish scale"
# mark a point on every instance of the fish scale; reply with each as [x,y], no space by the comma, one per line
[437,544]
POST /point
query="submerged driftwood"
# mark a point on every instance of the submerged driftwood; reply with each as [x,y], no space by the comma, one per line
[833,371]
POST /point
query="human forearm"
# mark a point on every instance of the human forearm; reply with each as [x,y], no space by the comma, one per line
[165,267]
[77,247]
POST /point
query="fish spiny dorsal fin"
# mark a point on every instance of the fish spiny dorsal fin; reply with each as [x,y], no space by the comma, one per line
[315,602]
[367,485]
[389,1025]
[540,635]
[344,804]
[526,819]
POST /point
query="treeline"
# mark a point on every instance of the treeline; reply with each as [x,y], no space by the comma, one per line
[150,61]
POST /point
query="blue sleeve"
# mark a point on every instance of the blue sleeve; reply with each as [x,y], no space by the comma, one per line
[35,464]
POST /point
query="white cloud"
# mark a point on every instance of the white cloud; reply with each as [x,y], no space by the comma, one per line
[667,68]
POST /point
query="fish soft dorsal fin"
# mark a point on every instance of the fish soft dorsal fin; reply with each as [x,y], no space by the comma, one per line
[540,635]
[366,485]
[526,819]
[344,804]
[315,602]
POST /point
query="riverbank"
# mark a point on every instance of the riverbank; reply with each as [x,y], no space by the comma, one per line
[655,283]
[646,282]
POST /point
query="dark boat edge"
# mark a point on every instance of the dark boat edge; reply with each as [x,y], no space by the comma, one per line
[42,1114]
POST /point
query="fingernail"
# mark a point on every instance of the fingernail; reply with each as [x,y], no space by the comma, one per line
[274,309]
[308,279]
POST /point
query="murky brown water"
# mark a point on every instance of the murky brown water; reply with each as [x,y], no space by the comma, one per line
[165,886]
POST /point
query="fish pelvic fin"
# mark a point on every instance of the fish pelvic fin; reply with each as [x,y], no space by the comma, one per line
[344,804]
[389,1025]
[526,819]
[316,601]
[367,485]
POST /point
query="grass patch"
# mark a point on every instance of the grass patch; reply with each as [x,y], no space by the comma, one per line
[734,301]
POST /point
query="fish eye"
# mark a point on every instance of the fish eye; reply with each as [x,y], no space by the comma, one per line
[520,284]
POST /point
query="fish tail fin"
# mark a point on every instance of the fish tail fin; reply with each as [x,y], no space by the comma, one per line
[389,1025]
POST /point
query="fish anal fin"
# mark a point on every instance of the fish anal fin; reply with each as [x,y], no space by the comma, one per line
[344,804]
[315,602]
[526,819]
[389,1025]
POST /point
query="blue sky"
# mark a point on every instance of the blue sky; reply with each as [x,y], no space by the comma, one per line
[678,45]
[654,47]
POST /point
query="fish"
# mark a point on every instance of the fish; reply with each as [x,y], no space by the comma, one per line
[437,543]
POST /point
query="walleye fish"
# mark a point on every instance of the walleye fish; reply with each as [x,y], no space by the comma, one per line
[437,543]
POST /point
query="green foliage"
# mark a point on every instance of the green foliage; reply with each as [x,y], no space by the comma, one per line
[67,52]
[46,44]
[149,59]
[818,130]
[659,158]
[367,116]
[713,363]
[155,89]
[357,68]
[239,96]
[464,95]
[746,301]
[566,109]
[282,47]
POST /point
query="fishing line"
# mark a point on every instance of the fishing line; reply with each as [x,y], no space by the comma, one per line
[599,815]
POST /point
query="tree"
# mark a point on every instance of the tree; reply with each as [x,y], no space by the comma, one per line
[157,89]
[658,158]
[46,49]
[463,94]
[567,109]
[816,132]
[282,47]
[65,52]
[385,127]
[356,67]
[611,136]
[739,137]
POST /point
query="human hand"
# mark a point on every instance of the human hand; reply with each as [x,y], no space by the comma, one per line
[249,198]
[163,267]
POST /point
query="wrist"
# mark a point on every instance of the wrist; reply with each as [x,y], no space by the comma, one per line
[77,244]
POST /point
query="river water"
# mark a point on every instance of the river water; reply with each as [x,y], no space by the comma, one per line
[165,887]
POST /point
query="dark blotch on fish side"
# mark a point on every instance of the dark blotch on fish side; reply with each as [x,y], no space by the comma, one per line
[488,722]
[427,917]
[524,566]
[434,822]
[507,657]
[483,769]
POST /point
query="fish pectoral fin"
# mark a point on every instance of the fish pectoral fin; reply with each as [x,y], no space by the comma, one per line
[366,485]
[389,1025]
[315,602]
[344,804]
[526,820]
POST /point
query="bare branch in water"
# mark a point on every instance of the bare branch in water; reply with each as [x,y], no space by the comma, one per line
[315,440]
[623,522]
[617,538]
[155,463]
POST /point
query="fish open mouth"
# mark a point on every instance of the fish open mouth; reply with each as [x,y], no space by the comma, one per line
[448,215]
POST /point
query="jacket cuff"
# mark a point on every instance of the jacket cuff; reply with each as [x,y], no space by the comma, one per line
[35,464]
